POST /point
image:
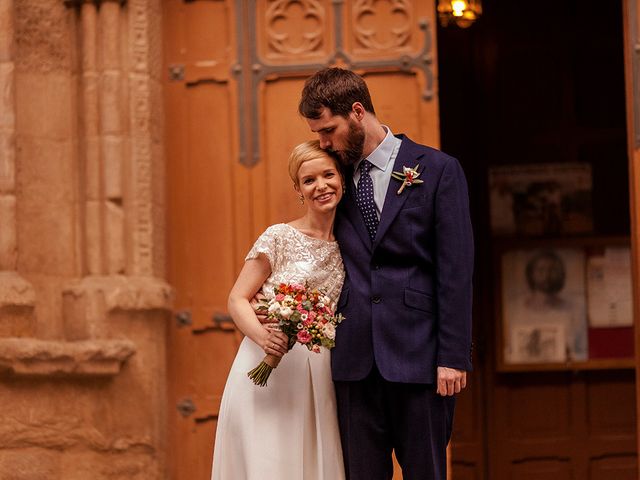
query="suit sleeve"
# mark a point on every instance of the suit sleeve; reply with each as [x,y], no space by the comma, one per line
[454,268]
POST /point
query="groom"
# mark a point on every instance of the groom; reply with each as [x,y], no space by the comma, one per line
[405,346]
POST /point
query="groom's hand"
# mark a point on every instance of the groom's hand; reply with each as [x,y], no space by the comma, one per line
[257,305]
[450,381]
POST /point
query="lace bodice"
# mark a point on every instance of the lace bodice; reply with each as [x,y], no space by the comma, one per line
[296,258]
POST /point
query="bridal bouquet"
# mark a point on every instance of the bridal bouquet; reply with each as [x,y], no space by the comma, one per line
[305,315]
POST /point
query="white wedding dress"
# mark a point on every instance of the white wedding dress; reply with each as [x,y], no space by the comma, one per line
[287,430]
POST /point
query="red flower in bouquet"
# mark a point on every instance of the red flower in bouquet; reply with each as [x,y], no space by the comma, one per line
[305,315]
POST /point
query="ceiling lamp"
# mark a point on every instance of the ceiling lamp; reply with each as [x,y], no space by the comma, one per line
[461,12]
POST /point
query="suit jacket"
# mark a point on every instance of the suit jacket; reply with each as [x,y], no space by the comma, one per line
[407,295]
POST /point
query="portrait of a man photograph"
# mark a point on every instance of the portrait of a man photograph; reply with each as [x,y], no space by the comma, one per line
[543,299]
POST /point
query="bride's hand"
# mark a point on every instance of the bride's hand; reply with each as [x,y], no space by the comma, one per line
[274,342]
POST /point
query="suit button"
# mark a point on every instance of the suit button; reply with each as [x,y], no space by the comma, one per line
[376,299]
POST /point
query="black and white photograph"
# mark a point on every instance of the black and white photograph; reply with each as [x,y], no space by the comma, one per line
[543,305]
[540,199]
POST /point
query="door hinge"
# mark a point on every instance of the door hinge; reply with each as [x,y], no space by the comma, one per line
[186,407]
[183,318]
[176,72]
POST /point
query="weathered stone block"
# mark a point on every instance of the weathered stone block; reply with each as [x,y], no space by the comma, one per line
[93,237]
[30,357]
[46,206]
[17,302]
[110,35]
[7,97]
[114,239]
[112,154]
[111,116]
[6,30]
[43,105]
[89,112]
[88,303]
[8,247]
[7,163]
[133,465]
[29,464]
[43,40]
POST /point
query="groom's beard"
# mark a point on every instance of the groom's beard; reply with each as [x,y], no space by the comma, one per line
[354,145]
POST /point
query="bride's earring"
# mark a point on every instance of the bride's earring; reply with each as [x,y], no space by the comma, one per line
[301,199]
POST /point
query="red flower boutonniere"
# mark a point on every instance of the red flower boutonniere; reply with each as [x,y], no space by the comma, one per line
[408,177]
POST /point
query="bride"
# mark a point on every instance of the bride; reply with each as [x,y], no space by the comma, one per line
[287,430]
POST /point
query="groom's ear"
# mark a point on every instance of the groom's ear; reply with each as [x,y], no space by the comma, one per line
[358,110]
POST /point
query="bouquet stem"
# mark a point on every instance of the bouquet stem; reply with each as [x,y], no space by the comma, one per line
[261,373]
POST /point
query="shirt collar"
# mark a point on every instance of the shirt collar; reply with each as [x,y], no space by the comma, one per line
[382,154]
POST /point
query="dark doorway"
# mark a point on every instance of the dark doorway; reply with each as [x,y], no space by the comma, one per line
[539,83]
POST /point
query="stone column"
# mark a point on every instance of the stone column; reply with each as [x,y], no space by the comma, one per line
[90,141]
[112,103]
[8,250]
[121,158]
[103,134]
[120,292]
[17,296]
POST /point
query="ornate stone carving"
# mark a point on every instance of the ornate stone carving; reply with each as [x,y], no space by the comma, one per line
[141,151]
[294,27]
[382,25]
[31,357]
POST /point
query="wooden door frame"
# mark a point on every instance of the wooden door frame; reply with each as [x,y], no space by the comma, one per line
[632,93]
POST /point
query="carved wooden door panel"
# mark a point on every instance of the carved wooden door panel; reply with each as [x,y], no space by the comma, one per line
[234,72]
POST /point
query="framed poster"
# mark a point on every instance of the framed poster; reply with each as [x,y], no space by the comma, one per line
[541,199]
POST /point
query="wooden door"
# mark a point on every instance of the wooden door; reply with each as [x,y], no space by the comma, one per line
[632,94]
[234,71]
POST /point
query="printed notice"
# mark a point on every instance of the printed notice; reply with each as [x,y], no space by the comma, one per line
[609,289]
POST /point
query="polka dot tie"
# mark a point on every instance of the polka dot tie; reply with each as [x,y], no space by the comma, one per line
[364,199]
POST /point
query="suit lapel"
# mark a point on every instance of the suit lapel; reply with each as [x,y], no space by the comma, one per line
[393,202]
[352,211]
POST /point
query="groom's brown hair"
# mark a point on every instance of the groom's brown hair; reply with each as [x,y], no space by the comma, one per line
[335,88]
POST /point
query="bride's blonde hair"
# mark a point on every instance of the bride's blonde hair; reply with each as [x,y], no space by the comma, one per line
[303,153]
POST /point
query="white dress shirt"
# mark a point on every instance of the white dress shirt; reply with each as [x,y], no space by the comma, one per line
[382,159]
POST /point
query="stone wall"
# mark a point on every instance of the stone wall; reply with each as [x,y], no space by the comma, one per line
[83,303]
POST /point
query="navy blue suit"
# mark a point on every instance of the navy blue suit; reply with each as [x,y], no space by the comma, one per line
[407,302]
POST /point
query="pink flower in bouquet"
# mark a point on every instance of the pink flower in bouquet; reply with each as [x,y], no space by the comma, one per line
[304,336]
[315,349]
[312,315]
[279,297]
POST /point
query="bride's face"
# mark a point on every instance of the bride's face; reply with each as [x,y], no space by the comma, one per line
[320,184]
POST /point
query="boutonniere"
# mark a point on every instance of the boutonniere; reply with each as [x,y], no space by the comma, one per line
[408,177]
